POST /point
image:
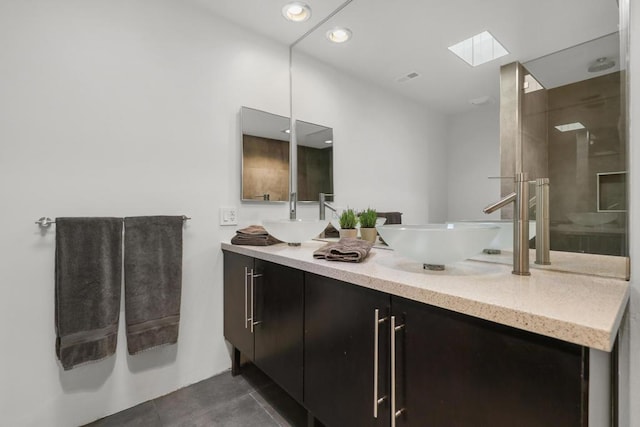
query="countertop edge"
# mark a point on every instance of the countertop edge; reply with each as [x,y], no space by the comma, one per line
[572,332]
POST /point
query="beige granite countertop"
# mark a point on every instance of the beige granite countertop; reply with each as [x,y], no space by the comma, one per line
[578,308]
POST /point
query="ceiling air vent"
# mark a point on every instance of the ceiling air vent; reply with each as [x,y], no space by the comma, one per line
[407,77]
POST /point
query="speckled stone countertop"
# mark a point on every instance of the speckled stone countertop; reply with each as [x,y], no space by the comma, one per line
[578,308]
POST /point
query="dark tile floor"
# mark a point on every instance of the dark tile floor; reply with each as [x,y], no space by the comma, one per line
[247,400]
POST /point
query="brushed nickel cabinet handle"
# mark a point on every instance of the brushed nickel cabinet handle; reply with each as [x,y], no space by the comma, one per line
[394,413]
[246,308]
[252,319]
[376,349]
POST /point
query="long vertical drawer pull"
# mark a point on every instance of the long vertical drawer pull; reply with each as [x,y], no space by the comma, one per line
[253,276]
[394,413]
[376,349]
[246,307]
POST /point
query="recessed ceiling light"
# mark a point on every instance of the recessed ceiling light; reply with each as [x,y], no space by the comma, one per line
[328,141]
[339,34]
[286,130]
[570,126]
[479,49]
[296,11]
[601,64]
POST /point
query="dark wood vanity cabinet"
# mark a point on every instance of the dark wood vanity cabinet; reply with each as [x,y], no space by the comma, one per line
[456,370]
[237,330]
[263,317]
[340,348]
[424,366]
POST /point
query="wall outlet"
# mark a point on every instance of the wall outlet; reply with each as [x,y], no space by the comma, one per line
[228,216]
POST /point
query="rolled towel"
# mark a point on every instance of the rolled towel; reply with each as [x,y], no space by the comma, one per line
[254,235]
[346,249]
[153,280]
[88,276]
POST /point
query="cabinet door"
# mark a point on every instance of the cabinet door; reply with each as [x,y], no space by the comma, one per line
[237,301]
[455,370]
[340,351]
[278,329]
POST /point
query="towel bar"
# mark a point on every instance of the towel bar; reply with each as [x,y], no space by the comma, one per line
[45,221]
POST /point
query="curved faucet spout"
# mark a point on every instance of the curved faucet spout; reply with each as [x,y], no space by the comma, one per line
[520,199]
[500,203]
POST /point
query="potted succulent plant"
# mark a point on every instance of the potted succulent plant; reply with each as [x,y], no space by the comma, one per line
[348,221]
[368,225]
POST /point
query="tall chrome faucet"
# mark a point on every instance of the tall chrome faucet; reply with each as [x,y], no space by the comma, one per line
[322,197]
[542,221]
[520,222]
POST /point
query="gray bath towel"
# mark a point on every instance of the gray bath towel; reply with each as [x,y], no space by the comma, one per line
[254,235]
[153,280]
[346,249]
[88,275]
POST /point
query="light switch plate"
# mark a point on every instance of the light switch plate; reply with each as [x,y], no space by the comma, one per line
[228,216]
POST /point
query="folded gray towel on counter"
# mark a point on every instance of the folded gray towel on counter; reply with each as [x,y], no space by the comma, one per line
[346,249]
[254,235]
[88,276]
[153,280]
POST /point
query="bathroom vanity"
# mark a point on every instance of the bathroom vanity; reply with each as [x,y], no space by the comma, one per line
[386,343]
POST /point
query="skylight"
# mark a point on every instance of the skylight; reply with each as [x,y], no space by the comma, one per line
[479,49]
[570,126]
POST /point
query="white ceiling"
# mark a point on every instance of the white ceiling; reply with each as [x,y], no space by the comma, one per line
[392,38]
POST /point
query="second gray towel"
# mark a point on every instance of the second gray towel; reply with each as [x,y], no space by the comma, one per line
[153,280]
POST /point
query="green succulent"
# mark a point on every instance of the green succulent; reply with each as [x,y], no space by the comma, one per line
[348,219]
[368,218]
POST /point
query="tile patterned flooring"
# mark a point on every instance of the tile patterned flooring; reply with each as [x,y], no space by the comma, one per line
[247,400]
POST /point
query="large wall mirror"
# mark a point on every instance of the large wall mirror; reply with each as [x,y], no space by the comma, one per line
[266,165]
[404,51]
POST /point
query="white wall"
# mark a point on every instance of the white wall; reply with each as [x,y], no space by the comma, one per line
[121,107]
[388,151]
[473,155]
[118,107]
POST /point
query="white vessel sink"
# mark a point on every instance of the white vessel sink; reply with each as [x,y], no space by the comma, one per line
[295,231]
[436,245]
[592,219]
[504,240]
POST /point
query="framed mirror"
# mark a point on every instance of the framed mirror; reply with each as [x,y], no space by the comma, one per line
[266,165]
[265,156]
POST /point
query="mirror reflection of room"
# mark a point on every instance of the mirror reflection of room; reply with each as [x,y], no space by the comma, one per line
[265,156]
[315,160]
[573,132]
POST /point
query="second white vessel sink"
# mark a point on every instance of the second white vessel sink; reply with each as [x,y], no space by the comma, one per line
[436,245]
